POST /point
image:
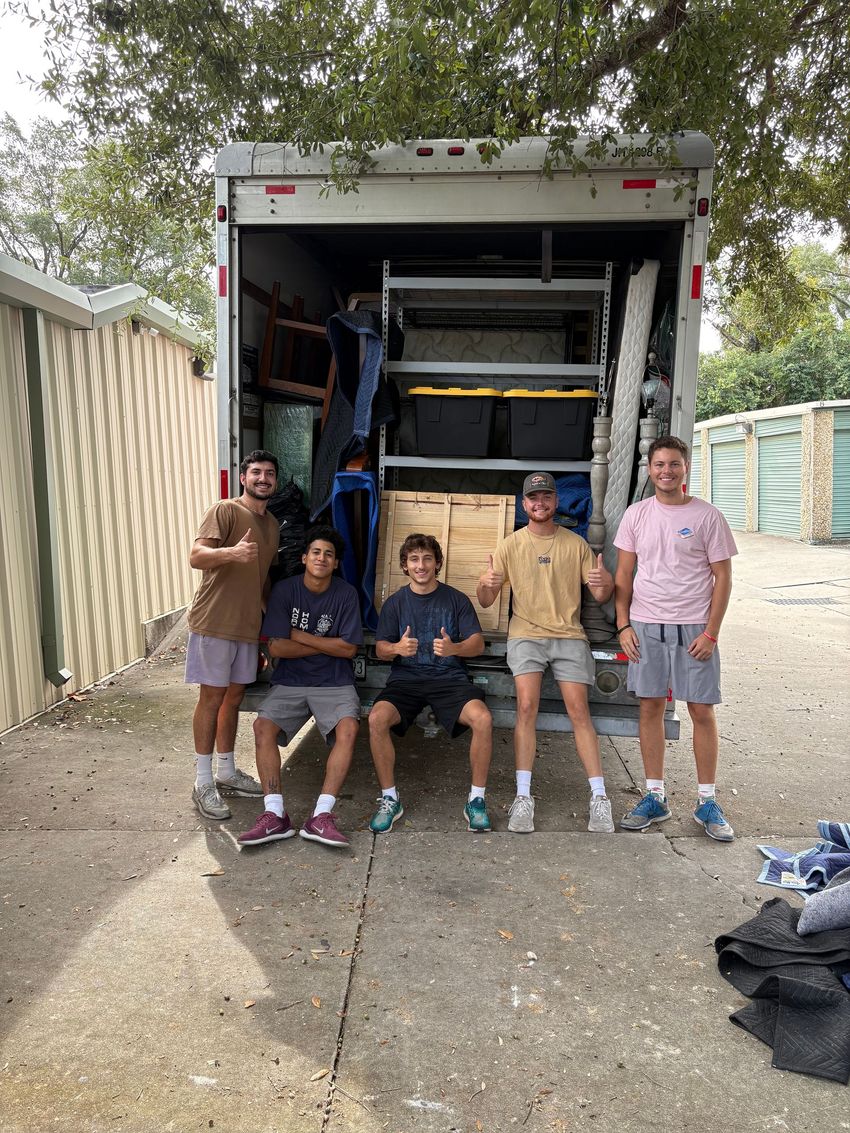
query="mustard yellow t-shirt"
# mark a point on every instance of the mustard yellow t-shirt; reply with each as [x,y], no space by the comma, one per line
[546,575]
[228,603]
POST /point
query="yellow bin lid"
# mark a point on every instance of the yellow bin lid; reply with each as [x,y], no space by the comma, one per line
[548,393]
[434,391]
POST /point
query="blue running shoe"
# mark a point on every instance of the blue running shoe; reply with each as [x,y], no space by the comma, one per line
[387,815]
[710,817]
[651,808]
[477,818]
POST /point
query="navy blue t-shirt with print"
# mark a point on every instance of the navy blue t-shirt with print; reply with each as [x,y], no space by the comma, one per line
[334,613]
[427,614]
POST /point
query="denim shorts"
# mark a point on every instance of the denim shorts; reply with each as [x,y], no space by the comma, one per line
[665,663]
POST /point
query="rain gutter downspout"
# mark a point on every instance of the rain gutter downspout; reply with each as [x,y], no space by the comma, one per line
[44,474]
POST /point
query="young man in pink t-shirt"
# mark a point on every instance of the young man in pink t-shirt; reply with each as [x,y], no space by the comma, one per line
[669,615]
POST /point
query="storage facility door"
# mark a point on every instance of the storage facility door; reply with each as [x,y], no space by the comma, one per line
[695,474]
[727,482]
[779,484]
[841,476]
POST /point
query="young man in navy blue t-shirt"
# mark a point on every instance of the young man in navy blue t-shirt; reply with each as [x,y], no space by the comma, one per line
[427,629]
[313,626]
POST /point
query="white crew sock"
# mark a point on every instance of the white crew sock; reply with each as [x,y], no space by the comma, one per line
[225,766]
[705,791]
[597,785]
[523,782]
[203,770]
[274,804]
[476,793]
[656,787]
[324,804]
[391,792]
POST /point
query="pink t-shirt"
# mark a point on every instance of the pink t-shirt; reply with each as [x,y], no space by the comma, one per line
[674,544]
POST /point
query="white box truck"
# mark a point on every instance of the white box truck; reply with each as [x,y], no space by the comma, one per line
[581,282]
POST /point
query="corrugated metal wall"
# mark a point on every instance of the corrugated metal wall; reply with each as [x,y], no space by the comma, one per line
[133,433]
[841,476]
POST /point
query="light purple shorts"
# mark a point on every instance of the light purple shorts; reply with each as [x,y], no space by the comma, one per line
[218,662]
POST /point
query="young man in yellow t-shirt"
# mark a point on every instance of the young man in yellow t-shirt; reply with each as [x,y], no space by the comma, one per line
[546,566]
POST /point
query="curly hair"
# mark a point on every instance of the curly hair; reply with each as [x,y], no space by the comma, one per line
[420,542]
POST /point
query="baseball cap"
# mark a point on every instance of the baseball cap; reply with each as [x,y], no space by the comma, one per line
[538,482]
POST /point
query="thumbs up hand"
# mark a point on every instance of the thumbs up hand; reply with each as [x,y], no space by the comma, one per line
[408,645]
[491,578]
[245,551]
[600,581]
[443,645]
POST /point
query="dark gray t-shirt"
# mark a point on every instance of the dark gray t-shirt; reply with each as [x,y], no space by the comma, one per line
[427,614]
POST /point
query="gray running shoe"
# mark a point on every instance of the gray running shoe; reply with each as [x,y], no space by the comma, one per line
[600,821]
[240,784]
[209,802]
[709,814]
[521,815]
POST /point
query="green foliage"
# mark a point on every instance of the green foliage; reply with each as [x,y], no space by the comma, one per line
[813,366]
[768,83]
[80,214]
[811,293]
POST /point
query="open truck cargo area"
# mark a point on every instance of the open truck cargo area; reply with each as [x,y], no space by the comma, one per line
[520,322]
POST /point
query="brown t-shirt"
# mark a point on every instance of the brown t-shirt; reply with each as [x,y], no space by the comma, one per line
[546,573]
[228,602]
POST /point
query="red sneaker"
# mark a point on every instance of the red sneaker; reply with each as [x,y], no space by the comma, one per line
[267,828]
[322,828]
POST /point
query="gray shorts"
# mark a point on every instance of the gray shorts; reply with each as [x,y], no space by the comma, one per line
[217,662]
[570,658]
[291,706]
[665,663]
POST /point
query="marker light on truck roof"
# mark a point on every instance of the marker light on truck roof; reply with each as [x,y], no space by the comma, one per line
[221,212]
[425,151]
[455,151]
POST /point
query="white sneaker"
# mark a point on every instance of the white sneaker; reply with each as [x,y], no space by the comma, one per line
[600,821]
[521,815]
[209,802]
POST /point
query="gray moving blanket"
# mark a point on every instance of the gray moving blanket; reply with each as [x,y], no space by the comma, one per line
[800,1007]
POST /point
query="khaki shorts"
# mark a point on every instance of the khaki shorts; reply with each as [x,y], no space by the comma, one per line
[570,658]
[291,706]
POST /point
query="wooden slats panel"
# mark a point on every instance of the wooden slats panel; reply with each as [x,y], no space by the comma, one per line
[468,528]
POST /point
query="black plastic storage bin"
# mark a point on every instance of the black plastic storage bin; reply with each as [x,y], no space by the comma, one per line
[551,424]
[454,422]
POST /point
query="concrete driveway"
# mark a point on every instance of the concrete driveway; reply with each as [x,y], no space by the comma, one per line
[156,978]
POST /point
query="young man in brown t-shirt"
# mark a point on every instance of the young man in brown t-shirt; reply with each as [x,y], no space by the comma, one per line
[236,544]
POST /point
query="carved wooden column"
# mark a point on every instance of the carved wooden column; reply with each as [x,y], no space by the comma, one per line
[649,430]
[597,625]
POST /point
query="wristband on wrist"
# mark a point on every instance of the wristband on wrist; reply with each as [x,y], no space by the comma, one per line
[628,625]
[710,638]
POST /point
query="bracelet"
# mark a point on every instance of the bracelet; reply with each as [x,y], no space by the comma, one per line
[710,638]
[628,625]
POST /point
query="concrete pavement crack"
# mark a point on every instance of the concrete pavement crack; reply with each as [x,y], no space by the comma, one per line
[340,1038]
[671,841]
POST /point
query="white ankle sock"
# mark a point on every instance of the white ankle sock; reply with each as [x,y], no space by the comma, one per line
[523,782]
[597,785]
[705,791]
[656,786]
[225,765]
[476,793]
[324,804]
[391,791]
[274,804]
[203,770]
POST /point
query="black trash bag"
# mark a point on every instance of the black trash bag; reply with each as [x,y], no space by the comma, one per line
[287,506]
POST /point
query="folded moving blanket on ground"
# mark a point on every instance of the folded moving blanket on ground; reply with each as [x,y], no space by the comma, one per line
[809,870]
[801,1007]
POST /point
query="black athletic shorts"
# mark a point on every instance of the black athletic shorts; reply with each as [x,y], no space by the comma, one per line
[446,698]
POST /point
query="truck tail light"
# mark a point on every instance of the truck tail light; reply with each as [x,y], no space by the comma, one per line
[221,212]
